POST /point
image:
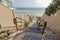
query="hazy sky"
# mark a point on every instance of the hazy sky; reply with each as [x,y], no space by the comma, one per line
[31,3]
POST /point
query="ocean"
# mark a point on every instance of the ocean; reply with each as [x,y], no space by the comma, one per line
[32,11]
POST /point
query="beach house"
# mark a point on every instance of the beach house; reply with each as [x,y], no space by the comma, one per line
[6,14]
[7,3]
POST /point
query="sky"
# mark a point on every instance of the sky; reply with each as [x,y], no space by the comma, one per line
[31,3]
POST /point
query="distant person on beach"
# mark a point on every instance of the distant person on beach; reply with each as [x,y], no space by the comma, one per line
[30,19]
[38,22]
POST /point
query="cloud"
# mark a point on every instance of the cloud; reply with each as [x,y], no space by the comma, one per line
[31,3]
[43,3]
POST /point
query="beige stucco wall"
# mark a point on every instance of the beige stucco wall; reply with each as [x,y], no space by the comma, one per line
[6,17]
[53,21]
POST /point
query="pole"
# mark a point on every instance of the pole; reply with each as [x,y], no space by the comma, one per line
[45,23]
[14,19]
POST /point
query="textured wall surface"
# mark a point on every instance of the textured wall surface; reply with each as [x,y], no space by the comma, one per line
[53,21]
[6,17]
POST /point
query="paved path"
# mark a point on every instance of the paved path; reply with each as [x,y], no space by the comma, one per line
[30,33]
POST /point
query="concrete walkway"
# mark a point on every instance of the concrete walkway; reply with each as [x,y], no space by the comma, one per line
[14,34]
[30,33]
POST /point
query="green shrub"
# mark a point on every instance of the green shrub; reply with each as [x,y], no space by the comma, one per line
[3,30]
[53,7]
[26,24]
